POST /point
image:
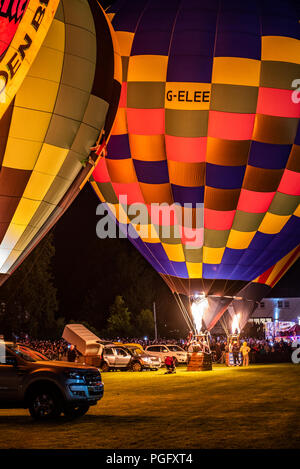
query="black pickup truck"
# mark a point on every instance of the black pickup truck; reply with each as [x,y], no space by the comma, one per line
[47,388]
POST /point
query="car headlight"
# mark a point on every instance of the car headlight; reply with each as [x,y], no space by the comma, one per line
[74,375]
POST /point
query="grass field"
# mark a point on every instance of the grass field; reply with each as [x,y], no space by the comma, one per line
[255,407]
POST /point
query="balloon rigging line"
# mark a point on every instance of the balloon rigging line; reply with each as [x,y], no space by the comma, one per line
[184,311]
[27,273]
[179,302]
[223,323]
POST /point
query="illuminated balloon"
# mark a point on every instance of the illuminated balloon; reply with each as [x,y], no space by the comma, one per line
[68,98]
[250,296]
[11,13]
[207,117]
[23,28]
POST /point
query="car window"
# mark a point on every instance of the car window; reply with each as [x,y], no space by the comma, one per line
[108,351]
[152,349]
[37,355]
[136,351]
[175,348]
[121,352]
[163,349]
[23,354]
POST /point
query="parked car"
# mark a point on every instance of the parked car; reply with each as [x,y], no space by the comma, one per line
[131,358]
[163,350]
[46,388]
[145,360]
[130,344]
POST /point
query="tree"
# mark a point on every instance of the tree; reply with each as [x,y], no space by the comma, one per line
[119,321]
[100,269]
[145,323]
[28,297]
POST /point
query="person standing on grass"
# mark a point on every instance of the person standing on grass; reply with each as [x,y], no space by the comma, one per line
[235,353]
[245,350]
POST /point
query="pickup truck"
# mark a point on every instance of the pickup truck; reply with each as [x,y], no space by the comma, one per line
[46,388]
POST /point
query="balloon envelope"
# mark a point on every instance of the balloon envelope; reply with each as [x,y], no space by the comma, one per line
[11,13]
[208,121]
[23,28]
[68,97]
[250,296]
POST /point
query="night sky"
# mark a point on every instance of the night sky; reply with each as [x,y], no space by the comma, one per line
[83,262]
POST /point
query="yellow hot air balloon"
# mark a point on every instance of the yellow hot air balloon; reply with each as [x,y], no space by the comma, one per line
[68,99]
[23,28]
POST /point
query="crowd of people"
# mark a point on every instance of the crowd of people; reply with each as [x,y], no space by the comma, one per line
[146,341]
[260,350]
[52,349]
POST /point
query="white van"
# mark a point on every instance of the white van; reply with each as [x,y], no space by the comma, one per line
[164,350]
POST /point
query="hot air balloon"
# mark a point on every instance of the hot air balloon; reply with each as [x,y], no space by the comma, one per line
[65,105]
[23,28]
[208,129]
[250,296]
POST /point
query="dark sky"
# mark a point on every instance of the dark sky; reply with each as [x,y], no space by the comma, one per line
[84,263]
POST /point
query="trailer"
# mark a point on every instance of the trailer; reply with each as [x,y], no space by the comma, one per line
[87,343]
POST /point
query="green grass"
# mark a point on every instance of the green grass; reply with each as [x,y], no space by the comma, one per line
[255,407]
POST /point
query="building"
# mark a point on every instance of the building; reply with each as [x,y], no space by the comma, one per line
[279,315]
[277,309]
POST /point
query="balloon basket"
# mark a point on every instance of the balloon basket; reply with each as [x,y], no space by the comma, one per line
[200,361]
[229,359]
[233,338]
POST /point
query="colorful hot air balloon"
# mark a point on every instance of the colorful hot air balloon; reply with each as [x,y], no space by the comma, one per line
[250,296]
[11,13]
[23,28]
[68,98]
[208,119]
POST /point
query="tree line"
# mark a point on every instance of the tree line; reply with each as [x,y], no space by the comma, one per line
[30,299]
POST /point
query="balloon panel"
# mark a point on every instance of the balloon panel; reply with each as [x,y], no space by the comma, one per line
[11,13]
[248,298]
[49,128]
[277,271]
[206,118]
[23,28]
